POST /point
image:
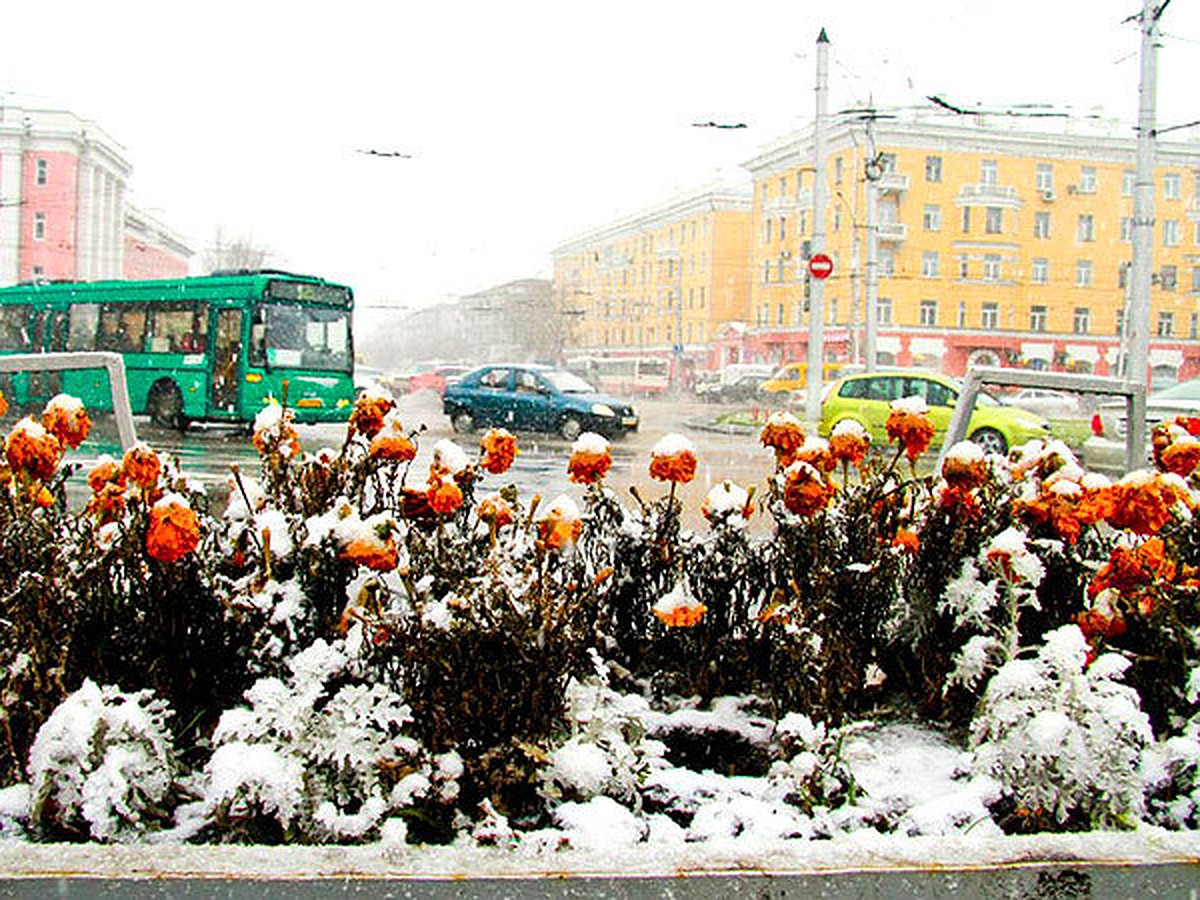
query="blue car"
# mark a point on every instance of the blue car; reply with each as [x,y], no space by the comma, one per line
[534,398]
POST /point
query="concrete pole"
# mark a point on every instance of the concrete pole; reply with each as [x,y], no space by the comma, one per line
[871,186]
[1137,337]
[815,380]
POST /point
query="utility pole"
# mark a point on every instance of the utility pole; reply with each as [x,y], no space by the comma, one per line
[815,379]
[872,172]
[1137,338]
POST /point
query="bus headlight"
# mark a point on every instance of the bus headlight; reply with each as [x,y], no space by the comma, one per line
[602,409]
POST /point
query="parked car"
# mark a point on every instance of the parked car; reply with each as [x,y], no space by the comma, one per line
[1104,451]
[436,379]
[867,399]
[740,387]
[793,377]
[370,378]
[1049,403]
[535,398]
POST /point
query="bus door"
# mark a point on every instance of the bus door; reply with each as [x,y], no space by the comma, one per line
[49,334]
[227,352]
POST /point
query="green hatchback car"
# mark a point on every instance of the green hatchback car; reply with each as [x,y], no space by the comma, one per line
[867,398]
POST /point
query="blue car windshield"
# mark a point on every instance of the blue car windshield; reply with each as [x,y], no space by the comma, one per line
[567,383]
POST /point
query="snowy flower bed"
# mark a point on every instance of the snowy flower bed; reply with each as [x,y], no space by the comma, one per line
[355,654]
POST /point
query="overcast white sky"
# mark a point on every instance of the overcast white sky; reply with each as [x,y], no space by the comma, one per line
[528,122]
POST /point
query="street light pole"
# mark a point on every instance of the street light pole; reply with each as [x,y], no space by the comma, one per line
[814,381]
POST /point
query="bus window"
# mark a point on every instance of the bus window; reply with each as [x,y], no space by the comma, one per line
[82,333]
[122,328]
[176,328]
[14,334]
[314,337]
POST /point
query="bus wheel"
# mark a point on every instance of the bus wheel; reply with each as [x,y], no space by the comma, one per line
[165,405]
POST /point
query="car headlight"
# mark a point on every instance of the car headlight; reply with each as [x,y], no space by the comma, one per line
[602,409]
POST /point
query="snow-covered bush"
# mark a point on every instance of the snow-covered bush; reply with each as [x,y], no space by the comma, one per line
[314,757]
[1063,738]
[102,766]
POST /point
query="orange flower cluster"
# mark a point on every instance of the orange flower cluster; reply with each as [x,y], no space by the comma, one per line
[444,495]
[107,481]
[673,459]
[849,443]
[142,466]
[560,525]
[369,411]
[726,500]
[909,424]
[784,434]
[32,451]
[1103,620]
[391,444]
[494,510]
[906,540]
[965,466]
[1133,571]
[1176,445]
[805,490]
[590,459]
[3,404]
[174,530]
[66,419]
[815,451]
[370,550]
[1143,503]
[498,449]
[678,609]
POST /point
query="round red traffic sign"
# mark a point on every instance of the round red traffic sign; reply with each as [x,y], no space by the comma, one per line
[820,266]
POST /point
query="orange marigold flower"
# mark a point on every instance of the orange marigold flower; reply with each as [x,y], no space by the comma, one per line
[1143,503]
[174,530]
[1104,619]
[273,432]
[142,466]
[369,411]
[66,419]
[679,609]
[590,459]
[906,540]
[370,550]
[909,424]
[444,495]
[41,495]
[784,434]
[805,491]
[498,448]
[495,510]
[560,524]
[815,452]
[673,459]
[32,450]
[3,404]
[1130,570]
[108,501]
[960,499]
[106,471]
[849,442]
[965,466]
[391,443]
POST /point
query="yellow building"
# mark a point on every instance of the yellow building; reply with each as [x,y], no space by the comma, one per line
[660,282]
[997,244]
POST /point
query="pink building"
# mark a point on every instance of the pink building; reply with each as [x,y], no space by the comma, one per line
[63,208]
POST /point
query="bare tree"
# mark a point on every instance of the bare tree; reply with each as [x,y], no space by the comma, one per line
[233,254]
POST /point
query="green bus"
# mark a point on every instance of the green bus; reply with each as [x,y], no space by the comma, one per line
[215,348]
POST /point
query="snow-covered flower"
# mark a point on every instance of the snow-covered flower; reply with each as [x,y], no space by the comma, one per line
[910,425]
[66,419]
[849,442]
[559,524]
[174,529]
[784,434]
[805,490]
[498,449]
[678,608]
[673,459]
[590,459]
[32,450]
[726,502]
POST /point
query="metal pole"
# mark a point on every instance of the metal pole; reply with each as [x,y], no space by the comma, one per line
[815,378]
[1140,273]
[871,185]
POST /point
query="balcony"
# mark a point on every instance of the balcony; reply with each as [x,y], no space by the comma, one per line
[983,194]
[893,232]
[892,182]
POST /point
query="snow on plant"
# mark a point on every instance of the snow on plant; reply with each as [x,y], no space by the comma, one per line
[1063,738]
[811,771]
[312,754]
[992,606]
[102,765]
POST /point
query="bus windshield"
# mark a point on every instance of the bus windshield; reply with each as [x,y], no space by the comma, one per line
[310,337]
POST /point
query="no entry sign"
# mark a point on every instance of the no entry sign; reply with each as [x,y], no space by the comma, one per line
[820,266]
